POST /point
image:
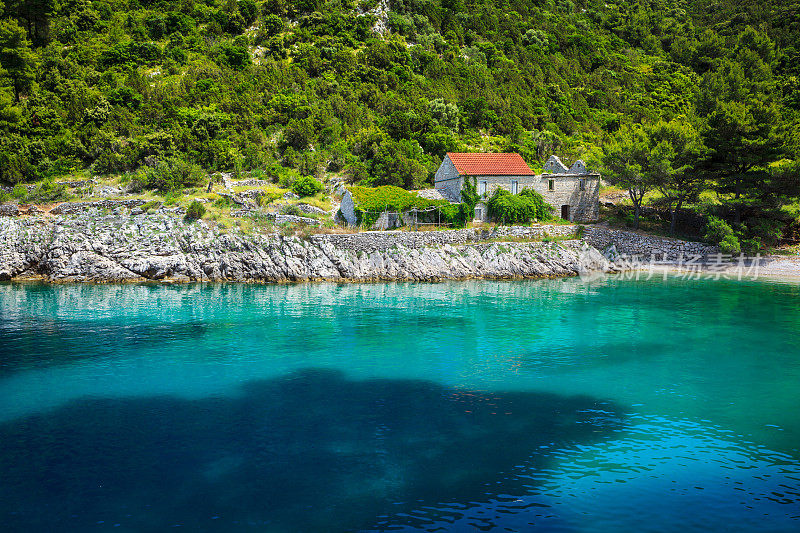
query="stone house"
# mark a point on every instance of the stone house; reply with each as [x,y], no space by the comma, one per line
[573,192]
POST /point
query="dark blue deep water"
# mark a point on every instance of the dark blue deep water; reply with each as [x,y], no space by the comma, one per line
[614,405]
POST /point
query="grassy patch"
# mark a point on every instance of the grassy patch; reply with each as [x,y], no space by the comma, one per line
[318,200]
[266,188]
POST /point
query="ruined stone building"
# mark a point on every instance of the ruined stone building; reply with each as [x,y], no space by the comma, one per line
[573,192]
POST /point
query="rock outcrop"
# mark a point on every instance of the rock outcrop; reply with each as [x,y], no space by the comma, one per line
[9,210]
[114,248]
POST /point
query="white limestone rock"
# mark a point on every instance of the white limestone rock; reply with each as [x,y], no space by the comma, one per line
[163,247]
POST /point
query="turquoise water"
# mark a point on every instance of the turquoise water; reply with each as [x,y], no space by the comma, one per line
[614,405]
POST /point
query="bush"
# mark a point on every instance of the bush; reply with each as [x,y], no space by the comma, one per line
[195,211]
[19,191]
[172,197]
[520,208]
[283,176]
[235,57]
[272,25]
[306,186]
[544,211]
[721,233]
[136,53]
[137,182]
[293,210]
[767,232]
[171,174]
[48,191]
[751,246]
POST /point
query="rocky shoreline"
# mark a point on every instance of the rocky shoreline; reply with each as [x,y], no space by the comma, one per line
[122,248]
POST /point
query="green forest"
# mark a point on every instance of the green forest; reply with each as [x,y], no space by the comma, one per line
[685,104]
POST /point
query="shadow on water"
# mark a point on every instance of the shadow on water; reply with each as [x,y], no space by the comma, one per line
[310,451]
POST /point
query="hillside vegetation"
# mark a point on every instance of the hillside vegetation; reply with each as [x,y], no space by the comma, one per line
[312,87]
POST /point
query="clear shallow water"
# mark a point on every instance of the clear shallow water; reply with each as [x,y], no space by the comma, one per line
[497,406]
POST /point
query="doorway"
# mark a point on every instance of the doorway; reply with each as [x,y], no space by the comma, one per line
[565,212]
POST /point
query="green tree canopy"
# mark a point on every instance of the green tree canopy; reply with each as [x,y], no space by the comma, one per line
[16,57]
[626,163]
[676,148]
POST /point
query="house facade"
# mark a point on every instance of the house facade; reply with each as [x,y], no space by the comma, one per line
[573,192]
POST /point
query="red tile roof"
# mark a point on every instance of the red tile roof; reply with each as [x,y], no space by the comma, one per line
[490,164]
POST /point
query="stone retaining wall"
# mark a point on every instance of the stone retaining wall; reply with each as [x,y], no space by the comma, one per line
[625,242]
[71,208]
[9,210]
[8,189]
[251,182]
[369,241]
[630,243]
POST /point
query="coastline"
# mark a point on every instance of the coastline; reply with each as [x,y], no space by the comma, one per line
[777,268]
[120,249]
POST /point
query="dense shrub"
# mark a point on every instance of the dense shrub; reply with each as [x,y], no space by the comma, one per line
[19,191]
[195,210]
[171,174]
[721,233]
[48,191]
[544,211]
[389,197]
[130,52]
[173,197]
[370,202]
[236,57]
[306,186]
[150,206]
[272,25]
[760,233]
[521,208]
[292,210]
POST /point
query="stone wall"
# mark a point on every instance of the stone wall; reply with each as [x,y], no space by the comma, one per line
[448,180]
[9,210]
[71,208]
[584,205]
[369,241]
[630,243]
